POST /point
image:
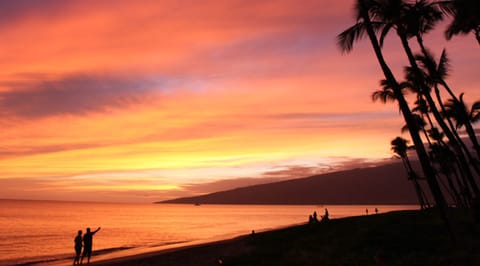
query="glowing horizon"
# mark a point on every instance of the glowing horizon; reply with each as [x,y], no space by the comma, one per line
[139,100]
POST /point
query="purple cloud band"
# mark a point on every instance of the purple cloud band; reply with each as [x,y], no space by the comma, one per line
[77,94]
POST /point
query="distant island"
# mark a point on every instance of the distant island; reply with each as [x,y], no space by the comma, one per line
[385,184]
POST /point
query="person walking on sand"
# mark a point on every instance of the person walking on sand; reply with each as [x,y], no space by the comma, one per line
[78,247]
[87,244]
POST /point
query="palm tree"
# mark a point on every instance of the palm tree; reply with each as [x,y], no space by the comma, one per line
[386,94]
[465,17]
[400,15]
[435,75]
[365,26]
[400,147]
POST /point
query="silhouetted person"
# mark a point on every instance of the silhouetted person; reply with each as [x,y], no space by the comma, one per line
[315,217]
[78,247]
[376,211]
[366,211]
[325,216]
[87,244]
[310,219]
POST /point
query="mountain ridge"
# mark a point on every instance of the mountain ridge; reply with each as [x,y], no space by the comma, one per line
[384,184]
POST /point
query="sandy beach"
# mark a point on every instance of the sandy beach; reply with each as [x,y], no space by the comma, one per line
[395,238]
[213,253]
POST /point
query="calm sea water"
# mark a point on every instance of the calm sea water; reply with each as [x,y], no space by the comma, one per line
[43,231]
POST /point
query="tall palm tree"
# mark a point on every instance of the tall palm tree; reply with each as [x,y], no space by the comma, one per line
[401,16]
[436,74]
[398,15]
[365,26]
[400,147]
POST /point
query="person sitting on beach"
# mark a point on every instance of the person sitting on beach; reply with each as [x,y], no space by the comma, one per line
[78,247]
[87,244]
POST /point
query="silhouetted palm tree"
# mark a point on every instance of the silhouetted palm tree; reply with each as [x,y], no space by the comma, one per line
[401,16]
[435,75]
[386,94]
[365,26]
[400,147]
[398,15]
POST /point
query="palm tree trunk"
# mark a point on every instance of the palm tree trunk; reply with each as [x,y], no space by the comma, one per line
[421,152]
[422,200]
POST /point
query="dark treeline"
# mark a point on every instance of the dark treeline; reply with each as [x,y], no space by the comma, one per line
[439,116]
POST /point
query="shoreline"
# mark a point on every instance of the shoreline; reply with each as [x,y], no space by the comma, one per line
[194,250]
[396,238]
[129,255]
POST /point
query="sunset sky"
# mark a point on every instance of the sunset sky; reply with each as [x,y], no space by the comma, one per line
[148,100]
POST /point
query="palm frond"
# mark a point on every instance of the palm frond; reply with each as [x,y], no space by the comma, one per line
[386,29]
[346,39]
[424,16]
[443,65]
[446,7]
[475,112]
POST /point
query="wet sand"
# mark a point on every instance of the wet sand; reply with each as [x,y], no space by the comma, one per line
[214,253]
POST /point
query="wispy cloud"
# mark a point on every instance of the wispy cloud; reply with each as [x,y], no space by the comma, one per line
[76,94]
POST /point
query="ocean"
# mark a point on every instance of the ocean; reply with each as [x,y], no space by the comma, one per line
[42,232]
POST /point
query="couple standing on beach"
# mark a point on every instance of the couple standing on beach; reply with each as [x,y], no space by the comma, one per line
[87,245]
